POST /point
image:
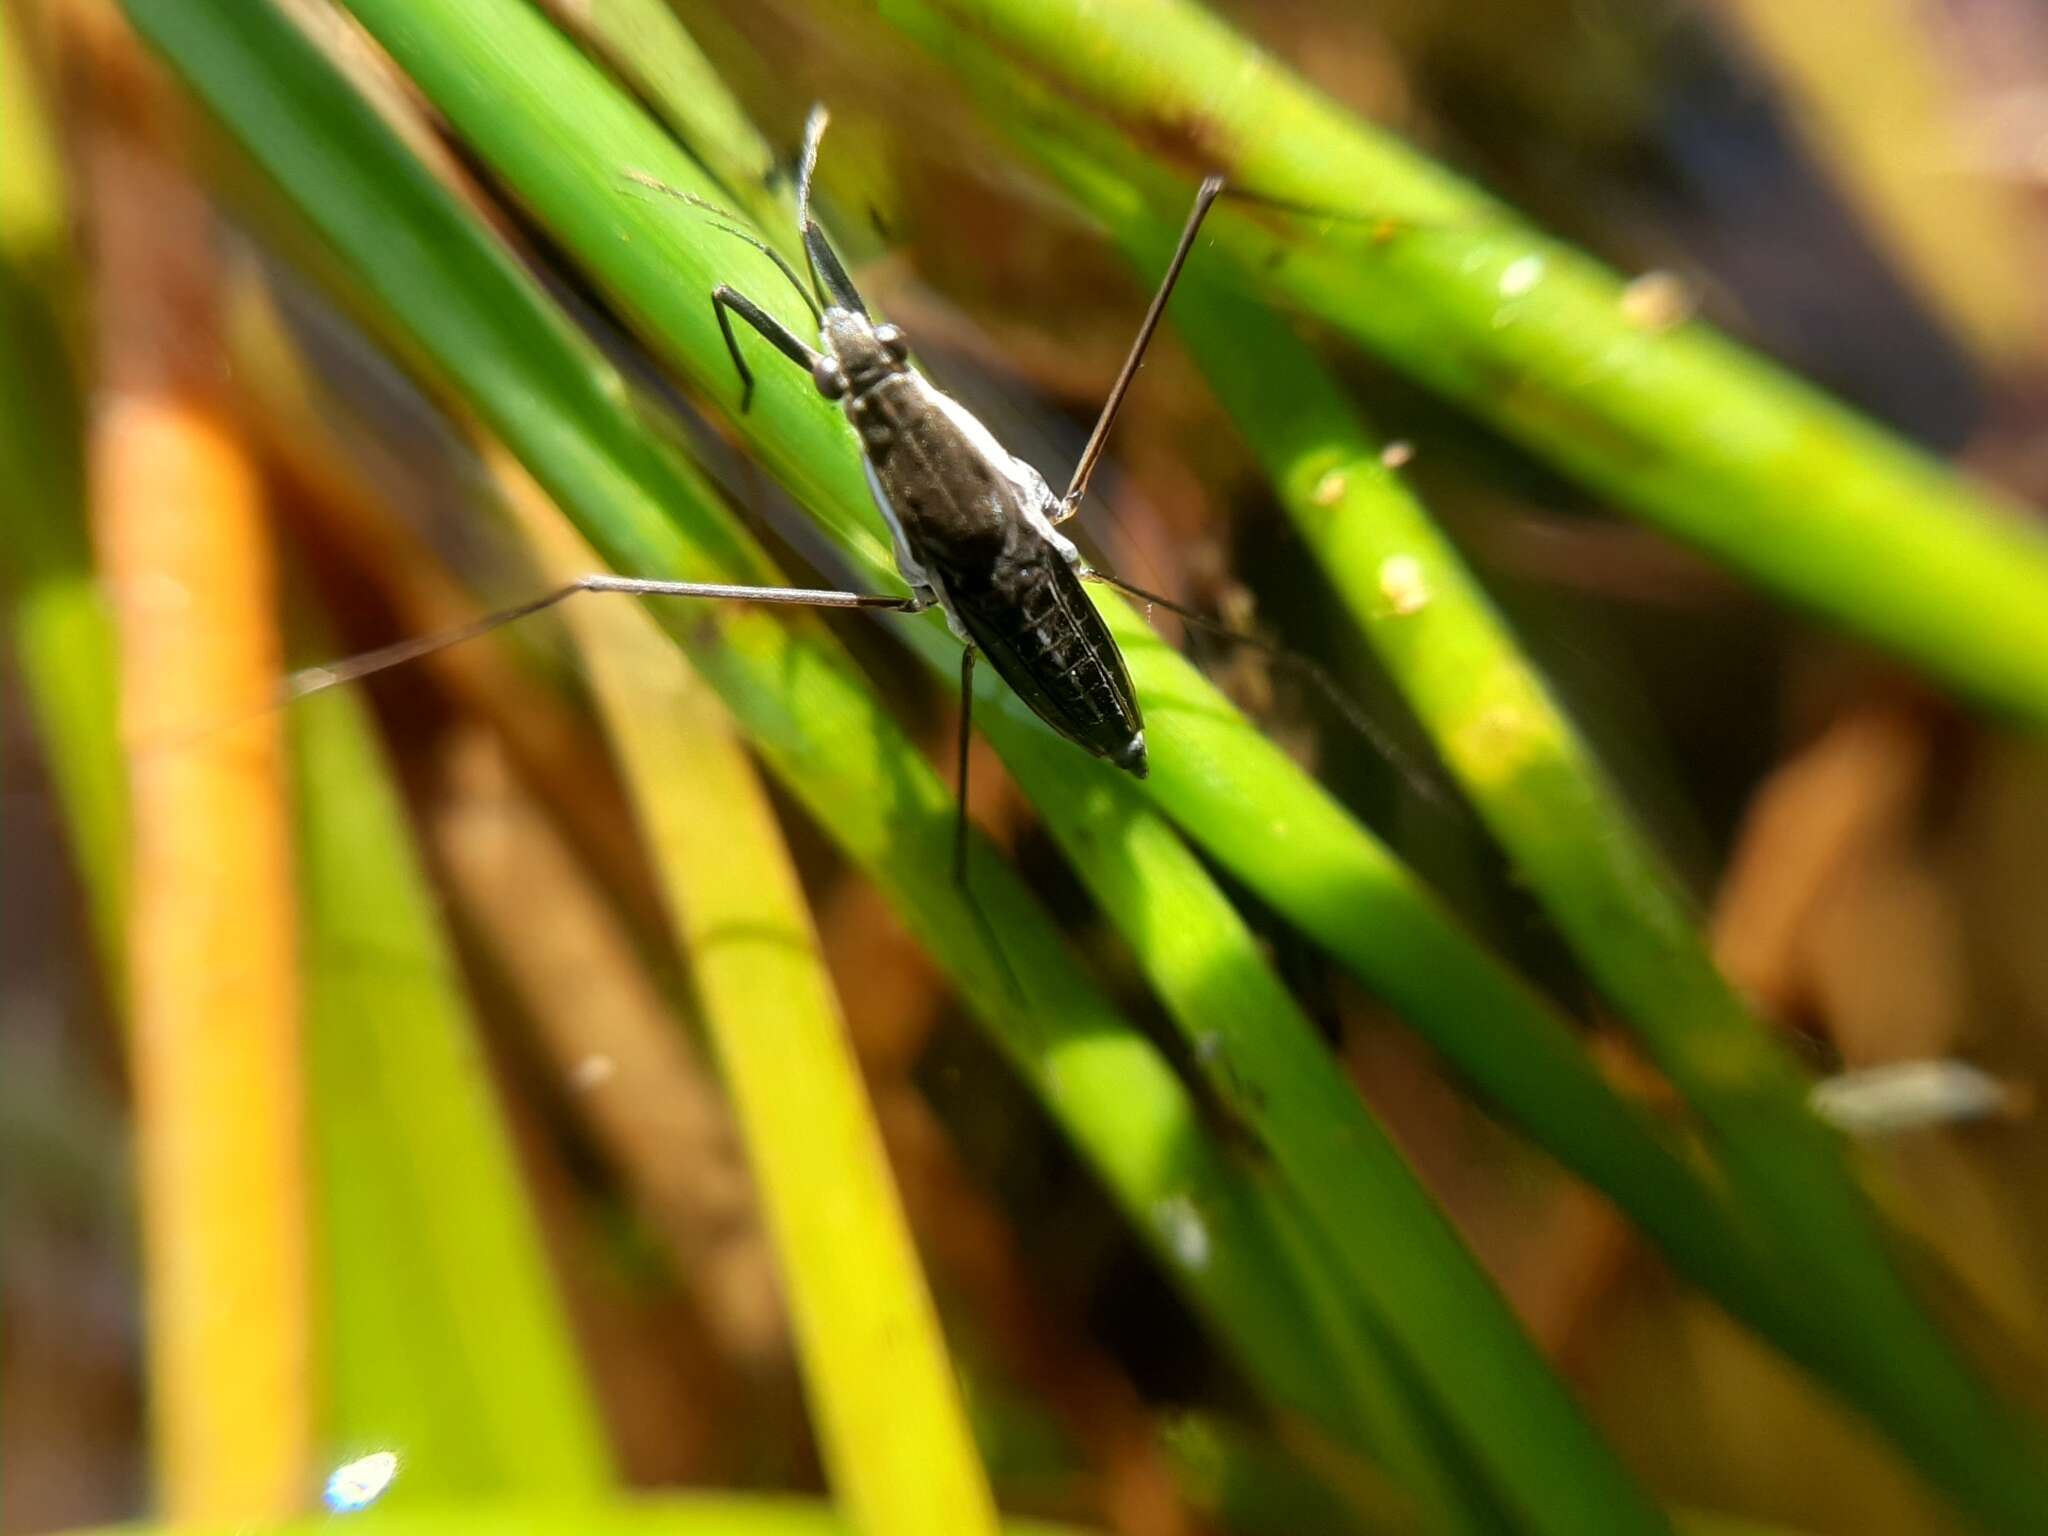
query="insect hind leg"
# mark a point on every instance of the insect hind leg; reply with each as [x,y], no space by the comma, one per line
[351,669]
[961,843]
[1425,783]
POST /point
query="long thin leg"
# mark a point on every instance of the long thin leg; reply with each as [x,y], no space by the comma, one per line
[1425,784]
[960,765]
[1083,471]
[961,759]
[785,341]
[315,679]
[1211,189]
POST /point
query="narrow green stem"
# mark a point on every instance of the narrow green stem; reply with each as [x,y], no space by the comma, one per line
[441,1334]
[1394,1247]
[1681,427]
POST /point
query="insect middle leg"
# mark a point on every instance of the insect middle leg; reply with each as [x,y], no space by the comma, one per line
[727,301]
[318,679]
[1077,488]
[962,757]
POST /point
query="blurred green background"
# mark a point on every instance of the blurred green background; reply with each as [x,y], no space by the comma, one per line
[566,1063]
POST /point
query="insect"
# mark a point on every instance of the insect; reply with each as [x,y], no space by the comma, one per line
[975,529]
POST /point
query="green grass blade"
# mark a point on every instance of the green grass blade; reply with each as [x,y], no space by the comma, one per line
[1757,468]
[443,1339]
[1404,1425]
[462,304]
[1395,1248]
[870,1344]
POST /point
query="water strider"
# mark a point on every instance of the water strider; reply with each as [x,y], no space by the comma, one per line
[975,529]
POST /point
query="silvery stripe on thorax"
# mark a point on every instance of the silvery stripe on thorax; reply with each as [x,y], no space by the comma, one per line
[1033,494]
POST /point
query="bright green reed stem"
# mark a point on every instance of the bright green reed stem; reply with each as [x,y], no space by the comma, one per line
[1262,1057]
[1684,429]
[1528,773]
[441,1331]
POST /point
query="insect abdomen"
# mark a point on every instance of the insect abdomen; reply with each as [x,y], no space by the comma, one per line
[963,517]
[1031,618]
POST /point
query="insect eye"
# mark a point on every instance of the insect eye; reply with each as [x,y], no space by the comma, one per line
[893,342]
[829,377]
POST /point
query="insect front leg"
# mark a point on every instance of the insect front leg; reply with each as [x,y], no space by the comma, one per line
[727,301]
[1205,198]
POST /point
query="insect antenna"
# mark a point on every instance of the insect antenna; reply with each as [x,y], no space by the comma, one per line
[782,265]
[826,271]
[728,222]
[807,161]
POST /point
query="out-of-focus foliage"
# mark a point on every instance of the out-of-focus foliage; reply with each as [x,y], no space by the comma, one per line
[1277,1152]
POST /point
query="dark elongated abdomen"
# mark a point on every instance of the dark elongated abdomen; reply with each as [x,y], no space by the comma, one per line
[1030,617]
[965,521]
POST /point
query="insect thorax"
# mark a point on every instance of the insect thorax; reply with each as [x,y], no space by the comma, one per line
[949,496]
